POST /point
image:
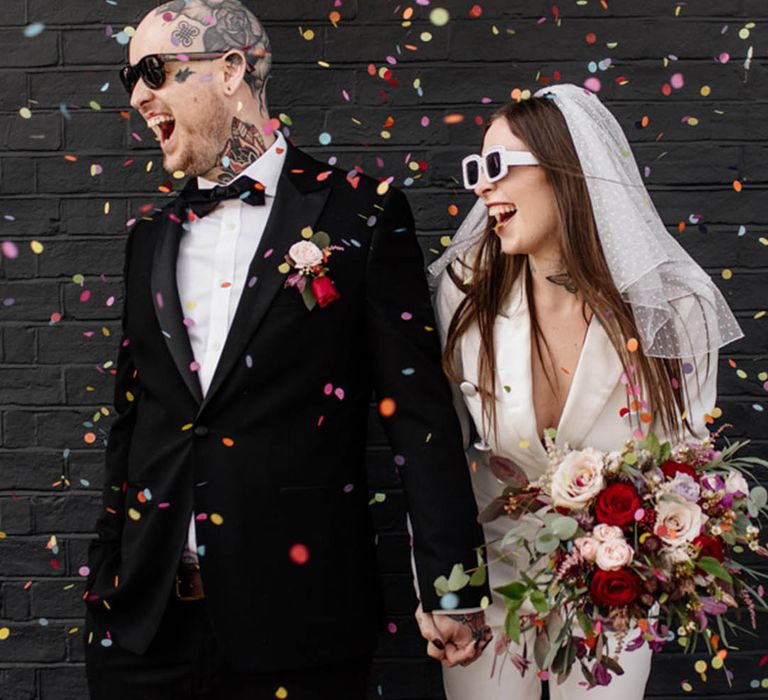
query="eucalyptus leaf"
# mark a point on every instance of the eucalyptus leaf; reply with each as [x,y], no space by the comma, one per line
[321,239]
[546,542]
[441,586]
[479,577]
[458,579]
[564,527]
[666,451]
[759,496]
[714,567]
[587,674]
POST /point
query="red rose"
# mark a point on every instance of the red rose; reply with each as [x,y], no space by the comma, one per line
[614,588]
[324,291]
[670,468]
[710,547]
[616,504]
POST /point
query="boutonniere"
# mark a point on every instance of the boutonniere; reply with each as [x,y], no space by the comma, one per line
[308,261]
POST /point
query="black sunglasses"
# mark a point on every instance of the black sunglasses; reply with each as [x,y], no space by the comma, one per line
[151,68]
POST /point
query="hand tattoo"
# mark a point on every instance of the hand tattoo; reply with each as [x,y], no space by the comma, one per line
[476,623]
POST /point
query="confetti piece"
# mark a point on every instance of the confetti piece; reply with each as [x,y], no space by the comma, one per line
[439,17]
[299,554]
[4,633]
[632,345]
[387,407]
[281,693]
[217,519]
[89,438]
[25,113]
[228,442]
[33,30]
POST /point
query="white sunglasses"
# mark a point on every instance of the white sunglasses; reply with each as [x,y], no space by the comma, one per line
[494,163]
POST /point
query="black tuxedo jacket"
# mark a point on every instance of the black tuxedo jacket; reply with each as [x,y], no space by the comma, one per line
[267,458]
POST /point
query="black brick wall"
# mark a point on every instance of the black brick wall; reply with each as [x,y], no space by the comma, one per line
[55,383]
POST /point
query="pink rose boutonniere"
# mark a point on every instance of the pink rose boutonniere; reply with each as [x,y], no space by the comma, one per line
[307,264]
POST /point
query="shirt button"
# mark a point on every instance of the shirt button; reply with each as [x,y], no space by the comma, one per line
[201,430]
[468,388]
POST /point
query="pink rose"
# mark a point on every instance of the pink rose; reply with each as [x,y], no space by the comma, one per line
[614,555]
[578,479]
[305,255]
[678,523]
[604,533]
[587,547]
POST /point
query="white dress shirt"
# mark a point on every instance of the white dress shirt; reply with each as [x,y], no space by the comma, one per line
[214,256]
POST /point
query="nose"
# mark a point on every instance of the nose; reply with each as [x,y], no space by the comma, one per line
[141,94]
[483,188]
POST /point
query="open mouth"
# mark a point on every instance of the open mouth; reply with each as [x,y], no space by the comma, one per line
[502,215]
[163,125]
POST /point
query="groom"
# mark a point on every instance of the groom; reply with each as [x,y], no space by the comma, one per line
[235,555]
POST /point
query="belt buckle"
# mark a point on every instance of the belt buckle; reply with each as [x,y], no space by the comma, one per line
[186,595]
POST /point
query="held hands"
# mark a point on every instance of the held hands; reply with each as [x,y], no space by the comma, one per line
[454,639]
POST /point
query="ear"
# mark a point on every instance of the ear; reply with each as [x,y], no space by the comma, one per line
[234,71]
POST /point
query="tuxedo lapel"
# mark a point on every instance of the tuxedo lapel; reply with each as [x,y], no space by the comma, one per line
[165,299]
[299,201]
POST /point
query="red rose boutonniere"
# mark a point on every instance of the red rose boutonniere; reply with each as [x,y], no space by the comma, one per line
[307,264]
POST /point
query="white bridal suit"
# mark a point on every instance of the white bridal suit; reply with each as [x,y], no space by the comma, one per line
[591,418]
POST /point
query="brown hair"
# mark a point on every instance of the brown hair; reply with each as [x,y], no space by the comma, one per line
[491,275]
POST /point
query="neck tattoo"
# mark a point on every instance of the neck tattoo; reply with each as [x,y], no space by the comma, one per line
[563,280]
[244,146]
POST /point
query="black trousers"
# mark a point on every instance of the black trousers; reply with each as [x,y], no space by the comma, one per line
[184,663]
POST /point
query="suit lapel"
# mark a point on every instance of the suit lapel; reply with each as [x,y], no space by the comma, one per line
[299,201]
[165,298]
[594,382]
[517,420]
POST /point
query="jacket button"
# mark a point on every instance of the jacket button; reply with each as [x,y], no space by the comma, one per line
[468,389]
[201,430]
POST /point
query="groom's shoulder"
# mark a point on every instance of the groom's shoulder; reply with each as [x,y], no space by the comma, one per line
[352,183]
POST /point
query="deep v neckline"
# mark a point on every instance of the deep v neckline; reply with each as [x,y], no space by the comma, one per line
[569,399]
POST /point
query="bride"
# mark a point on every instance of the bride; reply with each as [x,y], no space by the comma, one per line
[564,303]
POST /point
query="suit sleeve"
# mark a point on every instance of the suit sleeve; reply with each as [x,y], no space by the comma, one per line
[109,525]
[423,430]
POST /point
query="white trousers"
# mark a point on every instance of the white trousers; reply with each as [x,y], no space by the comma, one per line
[475,682]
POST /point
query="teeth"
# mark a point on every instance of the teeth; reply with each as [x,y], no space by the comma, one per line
[499,210]
[160,119]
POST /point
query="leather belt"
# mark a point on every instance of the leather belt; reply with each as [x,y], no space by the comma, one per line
[189,583]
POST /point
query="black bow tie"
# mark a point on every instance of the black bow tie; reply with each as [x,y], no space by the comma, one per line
[203,202]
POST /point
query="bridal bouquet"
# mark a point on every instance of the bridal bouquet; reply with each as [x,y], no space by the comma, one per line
[639,542]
